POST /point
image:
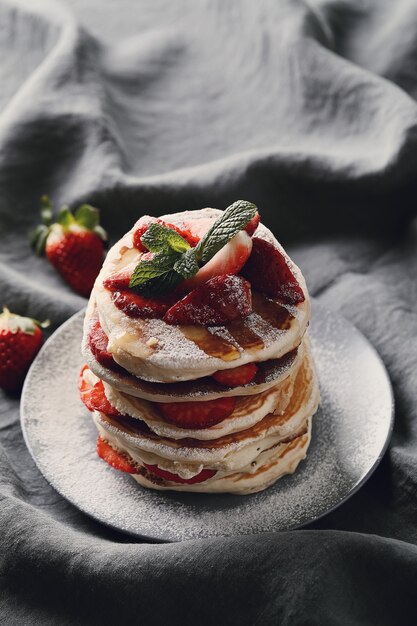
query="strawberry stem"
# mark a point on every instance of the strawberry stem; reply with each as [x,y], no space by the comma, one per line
[86,217]
[46,210]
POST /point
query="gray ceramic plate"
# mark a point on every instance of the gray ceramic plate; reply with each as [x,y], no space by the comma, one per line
[350,435]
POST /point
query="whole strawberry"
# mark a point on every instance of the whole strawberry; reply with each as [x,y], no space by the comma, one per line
[20,341]
[74,244]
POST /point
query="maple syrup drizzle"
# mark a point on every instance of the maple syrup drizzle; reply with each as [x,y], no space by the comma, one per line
[271,311]
[213,345]
[245,337]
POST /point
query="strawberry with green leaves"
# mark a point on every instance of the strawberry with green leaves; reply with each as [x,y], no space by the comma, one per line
[74,244]
[20,341]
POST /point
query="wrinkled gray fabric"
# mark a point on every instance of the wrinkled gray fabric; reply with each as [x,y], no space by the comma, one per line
[308,110]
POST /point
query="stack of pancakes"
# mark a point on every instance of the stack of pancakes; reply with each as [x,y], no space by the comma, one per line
[269,430]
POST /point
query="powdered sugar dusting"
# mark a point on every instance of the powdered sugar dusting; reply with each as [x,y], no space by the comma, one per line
[175,357]
[350,431]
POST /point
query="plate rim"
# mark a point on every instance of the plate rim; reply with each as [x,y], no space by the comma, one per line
[168,539]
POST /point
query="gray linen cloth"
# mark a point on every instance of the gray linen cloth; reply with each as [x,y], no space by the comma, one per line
[305,108]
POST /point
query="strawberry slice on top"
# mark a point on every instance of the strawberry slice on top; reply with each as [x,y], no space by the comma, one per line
[228,260]
[119,280]
[268,271]
[253,224]
[177,266]
[137,306]
[220,300]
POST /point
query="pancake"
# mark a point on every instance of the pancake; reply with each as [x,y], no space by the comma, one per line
[155,351]
[270,373]
[144,362]
[252,479]
[248,411]
[229,454]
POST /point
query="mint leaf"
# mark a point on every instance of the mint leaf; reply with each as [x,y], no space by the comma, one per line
[160,286]
[234,219]
[187,264]
[158,237]
[147,269]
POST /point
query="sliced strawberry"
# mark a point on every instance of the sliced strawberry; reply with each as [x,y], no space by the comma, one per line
[98,342]
[135,305]
[253,225]
[269,273]
[220,300]
[228,260]
[94,397]
[174,478]
[143,224]
[186,234]
[196,415]
[237,376]
[119,281]
[115,459]
[141,228]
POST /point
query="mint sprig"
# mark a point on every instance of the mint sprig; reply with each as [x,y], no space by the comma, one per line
[234,219]
[159,274]
[174,260]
